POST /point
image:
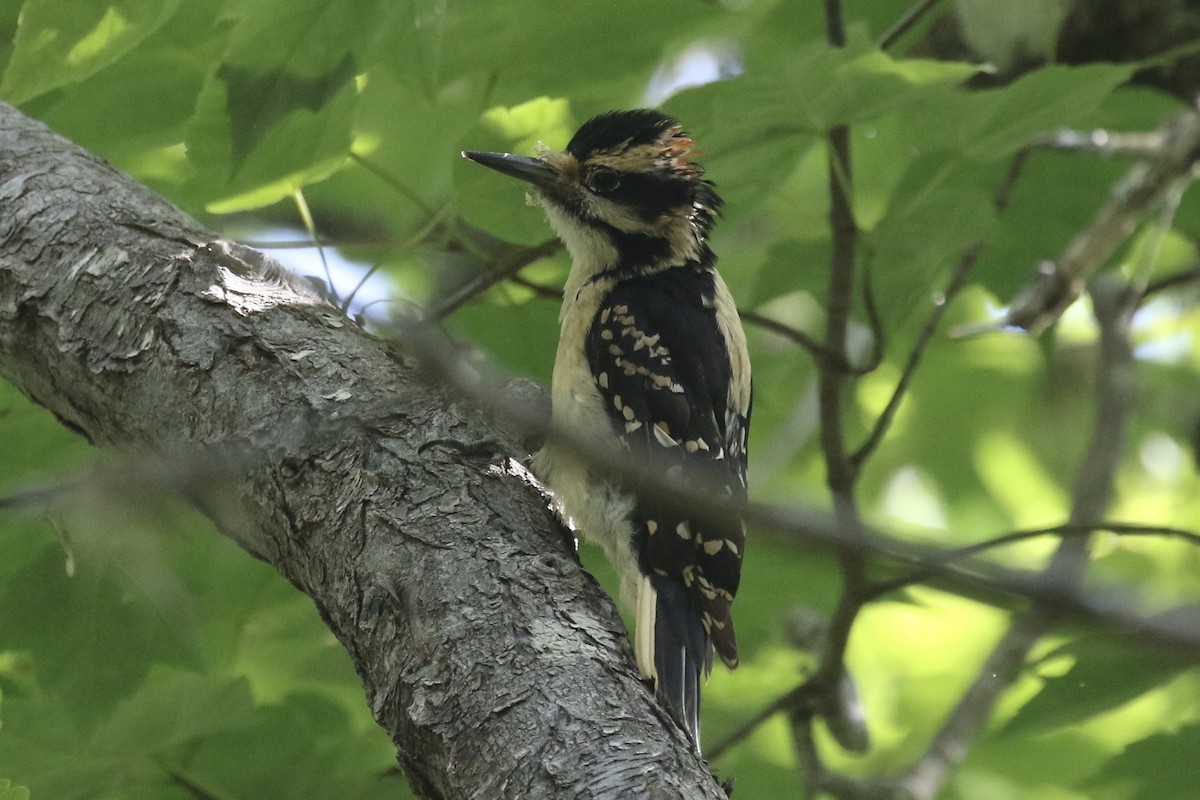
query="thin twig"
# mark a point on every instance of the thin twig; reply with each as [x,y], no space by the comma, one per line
[1111,145]
[1140,278]
[344,306]
[1113,303]
[884,422]
[953,741]
[39,497]
[1181,278]
[749,317]
[1142,145]
[308,244]
[310,225]
[422,233]
[541,290]
[188,785]
[835,23]
[807,755]
[1058,283]
[1016,169]
[875,320]
[882,588]
[818,779]
[504,267]
[840,473]
[748,727]
[787,331]
[905,23]
[394,182]
[822,353]
[1118,528]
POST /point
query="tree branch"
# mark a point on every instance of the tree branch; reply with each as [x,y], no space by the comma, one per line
[974,579]
[982,581]
[495,664]
[1056,593]
[1058,283]
[840,472]
[1113,303]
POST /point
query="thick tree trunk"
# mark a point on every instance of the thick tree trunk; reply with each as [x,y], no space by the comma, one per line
[496,665]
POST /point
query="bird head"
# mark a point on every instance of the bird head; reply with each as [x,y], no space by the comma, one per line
[626,190]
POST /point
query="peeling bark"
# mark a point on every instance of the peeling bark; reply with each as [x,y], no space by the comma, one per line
[496,665]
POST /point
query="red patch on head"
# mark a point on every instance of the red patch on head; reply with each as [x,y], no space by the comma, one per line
[680,149]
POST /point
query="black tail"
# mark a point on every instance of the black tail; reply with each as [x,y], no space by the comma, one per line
[681,653]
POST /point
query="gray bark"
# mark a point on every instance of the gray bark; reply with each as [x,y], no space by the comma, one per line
[497,666]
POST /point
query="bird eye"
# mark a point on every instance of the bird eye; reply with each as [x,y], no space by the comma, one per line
[603,179]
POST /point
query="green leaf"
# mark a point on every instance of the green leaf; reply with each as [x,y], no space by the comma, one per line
[90,639]
[415,46]
[60,42]
[278,111]
[938,209]
[601,55]
[995,123]
[171,709]
[493,201]
[789,267]
[526,125]
[10,792]
[1158,766]
[35,442]
[258,101]
[507,329]
[822,87]
[1109,671]
[205,730]
[302,146]
[315,754]
[41,747]
[140,663]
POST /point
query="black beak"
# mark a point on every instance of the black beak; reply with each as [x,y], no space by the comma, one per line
[530,170]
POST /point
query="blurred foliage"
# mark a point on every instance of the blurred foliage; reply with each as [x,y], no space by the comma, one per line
[142,656]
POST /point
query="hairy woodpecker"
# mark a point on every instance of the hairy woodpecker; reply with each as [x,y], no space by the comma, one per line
[652,351]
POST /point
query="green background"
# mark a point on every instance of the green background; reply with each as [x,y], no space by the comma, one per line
[143,656]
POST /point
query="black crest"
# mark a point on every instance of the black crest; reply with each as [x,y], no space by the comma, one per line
[640,126]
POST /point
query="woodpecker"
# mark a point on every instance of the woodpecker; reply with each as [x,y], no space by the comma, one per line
[652,352]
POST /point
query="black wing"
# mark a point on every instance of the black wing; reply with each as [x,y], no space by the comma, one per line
[663,369]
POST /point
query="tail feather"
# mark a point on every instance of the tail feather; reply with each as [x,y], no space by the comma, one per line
[673,648]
